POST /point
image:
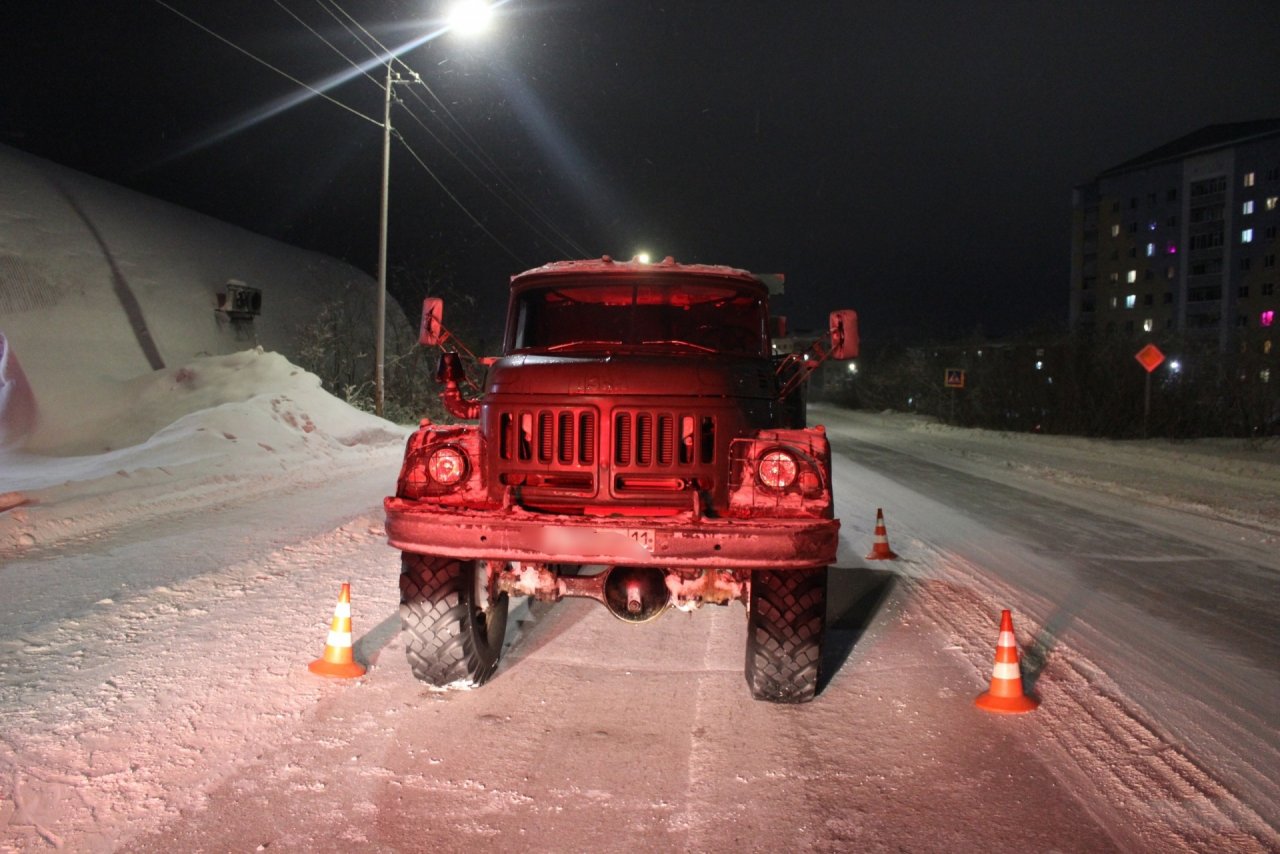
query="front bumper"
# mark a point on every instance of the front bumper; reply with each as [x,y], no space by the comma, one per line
[669,541]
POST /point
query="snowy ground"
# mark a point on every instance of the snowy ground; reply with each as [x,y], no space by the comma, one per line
[162,592]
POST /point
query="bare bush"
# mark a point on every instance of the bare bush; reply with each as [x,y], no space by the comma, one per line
[1081,385]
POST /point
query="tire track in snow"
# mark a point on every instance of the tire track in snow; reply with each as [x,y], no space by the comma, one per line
[1151,792]
[120,720]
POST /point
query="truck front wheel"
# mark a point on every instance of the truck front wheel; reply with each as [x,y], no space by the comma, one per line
[453,627]
[785,623]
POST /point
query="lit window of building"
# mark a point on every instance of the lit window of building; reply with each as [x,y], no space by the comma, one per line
[1273,202]
[1265,375]
[1132,277]
[1246,236]
[1146,325]
[1151,250]
[1172,249]
[1267,318]
[1131,300]
[1247,207]
[1249,178]
[1115,230]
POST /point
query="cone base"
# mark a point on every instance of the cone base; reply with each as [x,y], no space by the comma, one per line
[1006,705]
[345,670]
[881,554]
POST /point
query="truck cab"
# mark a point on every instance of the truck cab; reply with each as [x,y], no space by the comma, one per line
[636,443]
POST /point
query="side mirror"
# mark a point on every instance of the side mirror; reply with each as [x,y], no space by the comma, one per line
[844,334]
[432,332]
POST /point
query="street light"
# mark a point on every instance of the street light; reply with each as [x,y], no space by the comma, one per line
[469,17]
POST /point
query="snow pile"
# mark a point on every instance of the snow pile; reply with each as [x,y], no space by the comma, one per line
[214,429]
[99,284]
[1234,479]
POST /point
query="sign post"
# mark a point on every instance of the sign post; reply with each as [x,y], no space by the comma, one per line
[953,378]
[1150,358]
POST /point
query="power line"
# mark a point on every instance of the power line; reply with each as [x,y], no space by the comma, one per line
[389,56]
[467,142]
[458,202]
[261,61]
[331,45]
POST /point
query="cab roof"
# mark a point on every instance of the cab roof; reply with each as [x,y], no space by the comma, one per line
[607,266]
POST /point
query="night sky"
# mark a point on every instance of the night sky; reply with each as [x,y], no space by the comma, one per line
[911,160]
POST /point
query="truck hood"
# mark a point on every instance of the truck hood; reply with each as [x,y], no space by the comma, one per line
[683,376]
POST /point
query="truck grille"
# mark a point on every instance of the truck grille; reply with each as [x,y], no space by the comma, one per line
[646,439]
[559,449]
[565,437]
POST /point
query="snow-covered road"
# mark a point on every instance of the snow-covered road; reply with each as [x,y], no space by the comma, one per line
[154,693]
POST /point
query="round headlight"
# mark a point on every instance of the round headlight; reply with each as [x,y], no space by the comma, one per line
[447,465]
[777,469]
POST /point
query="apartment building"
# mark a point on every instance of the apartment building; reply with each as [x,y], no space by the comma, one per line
[1181,242]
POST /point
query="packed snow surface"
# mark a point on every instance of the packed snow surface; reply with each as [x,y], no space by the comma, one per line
[167,574]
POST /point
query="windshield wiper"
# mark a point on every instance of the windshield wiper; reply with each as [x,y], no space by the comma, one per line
[678,343]
[567,345]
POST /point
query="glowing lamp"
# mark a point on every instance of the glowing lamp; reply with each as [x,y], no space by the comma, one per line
[447,466]
[470,16]
[778,469]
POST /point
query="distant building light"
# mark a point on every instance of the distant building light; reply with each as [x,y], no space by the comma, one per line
[1247,207]
[1273,202]
[1151,250]
[1267,318]
[1175,366]
[853,367]
[1039,366]
[1246,236]
[1131,300]
[1249,178]
[1147,325]
[1265,375]
[1115,230]
[1151,226]
[1131,276]
[1172,249]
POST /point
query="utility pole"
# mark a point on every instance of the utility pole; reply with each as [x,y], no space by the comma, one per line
[380,324]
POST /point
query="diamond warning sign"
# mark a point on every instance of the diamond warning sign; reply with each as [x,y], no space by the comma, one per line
[1150,357]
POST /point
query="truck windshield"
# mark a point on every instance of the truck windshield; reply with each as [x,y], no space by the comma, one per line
[696,316]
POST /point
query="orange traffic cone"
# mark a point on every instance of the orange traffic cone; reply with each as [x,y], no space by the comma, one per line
[881,550]
[338,659]
[1005,694]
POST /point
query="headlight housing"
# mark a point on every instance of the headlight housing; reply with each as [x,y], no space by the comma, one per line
[777,468]
[447,465]
[442,462]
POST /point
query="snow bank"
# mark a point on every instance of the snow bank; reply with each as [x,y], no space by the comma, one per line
[100,285]
[1235,479]
[215,428]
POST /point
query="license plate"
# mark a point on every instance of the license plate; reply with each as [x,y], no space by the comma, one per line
[643,537]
